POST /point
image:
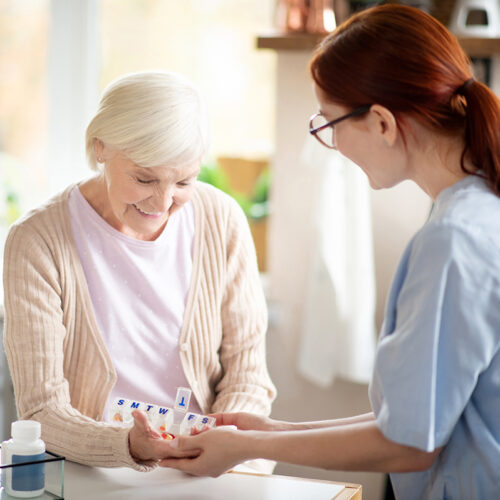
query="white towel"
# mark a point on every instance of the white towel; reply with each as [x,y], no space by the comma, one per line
[338,333]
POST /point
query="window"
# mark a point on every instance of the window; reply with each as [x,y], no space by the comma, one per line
[213,44]
[24,34]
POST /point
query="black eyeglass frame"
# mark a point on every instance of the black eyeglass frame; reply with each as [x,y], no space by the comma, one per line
[314,131]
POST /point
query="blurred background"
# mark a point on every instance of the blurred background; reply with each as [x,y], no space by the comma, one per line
[327,245]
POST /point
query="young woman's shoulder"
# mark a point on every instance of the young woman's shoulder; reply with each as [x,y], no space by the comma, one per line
[464,251]
[465,226]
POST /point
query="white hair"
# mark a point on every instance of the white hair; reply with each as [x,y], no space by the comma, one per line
[153,117]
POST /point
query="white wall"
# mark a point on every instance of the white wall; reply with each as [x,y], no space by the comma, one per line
[397,214]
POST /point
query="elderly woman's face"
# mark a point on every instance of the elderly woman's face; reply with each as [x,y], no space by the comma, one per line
[140,200]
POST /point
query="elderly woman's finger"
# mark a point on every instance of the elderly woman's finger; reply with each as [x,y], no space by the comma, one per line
[142,423]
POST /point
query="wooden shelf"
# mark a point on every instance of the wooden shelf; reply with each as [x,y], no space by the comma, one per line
[292,41]
[480,47]
[474,47]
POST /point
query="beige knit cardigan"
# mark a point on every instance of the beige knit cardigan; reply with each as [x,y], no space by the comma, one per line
[61,369]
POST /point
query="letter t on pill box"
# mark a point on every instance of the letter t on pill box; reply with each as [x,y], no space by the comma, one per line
[182,399]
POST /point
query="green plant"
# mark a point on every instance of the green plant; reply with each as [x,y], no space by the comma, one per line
[255,206]
[10,178]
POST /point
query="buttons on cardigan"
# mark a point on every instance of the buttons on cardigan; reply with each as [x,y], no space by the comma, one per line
[184,347]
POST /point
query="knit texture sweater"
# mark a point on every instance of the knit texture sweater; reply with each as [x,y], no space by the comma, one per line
[61,369]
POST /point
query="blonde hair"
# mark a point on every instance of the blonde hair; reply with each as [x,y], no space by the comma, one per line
[153,117]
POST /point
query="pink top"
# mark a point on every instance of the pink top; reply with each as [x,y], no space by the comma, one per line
[138,291]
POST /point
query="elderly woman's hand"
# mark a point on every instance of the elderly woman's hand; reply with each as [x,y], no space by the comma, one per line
[145,444]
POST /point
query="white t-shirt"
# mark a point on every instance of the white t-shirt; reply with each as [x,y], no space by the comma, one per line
[138,291]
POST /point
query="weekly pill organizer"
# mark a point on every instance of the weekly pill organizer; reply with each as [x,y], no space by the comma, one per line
[168,422]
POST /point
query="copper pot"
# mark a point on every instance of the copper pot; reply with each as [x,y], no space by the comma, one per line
[320,17]
[291,15]
[311,16]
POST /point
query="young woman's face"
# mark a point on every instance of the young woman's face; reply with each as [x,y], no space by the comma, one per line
[365,141]
[138,201]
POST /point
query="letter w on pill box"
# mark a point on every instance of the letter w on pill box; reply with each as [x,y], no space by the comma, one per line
[163,419]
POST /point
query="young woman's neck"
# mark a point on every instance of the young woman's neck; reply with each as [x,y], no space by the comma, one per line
[434,162]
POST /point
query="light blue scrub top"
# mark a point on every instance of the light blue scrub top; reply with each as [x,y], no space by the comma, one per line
[436,379]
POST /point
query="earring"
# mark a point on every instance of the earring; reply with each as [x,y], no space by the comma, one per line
[99,159]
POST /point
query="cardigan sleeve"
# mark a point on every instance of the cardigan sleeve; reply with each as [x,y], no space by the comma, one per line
[245,384]
[34,339]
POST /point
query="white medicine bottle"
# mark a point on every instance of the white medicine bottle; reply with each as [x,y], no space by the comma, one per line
[25,481]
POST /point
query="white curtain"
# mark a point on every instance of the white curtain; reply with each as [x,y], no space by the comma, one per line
[338,331]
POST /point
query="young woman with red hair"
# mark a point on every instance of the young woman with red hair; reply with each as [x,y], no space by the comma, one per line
[397,96]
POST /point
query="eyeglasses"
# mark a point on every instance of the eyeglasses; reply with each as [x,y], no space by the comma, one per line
[319,127]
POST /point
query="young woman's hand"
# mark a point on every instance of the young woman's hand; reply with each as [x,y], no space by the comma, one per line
[247,421]
[212,452]
[145,444]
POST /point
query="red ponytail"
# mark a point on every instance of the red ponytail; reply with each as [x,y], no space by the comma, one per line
[405,60]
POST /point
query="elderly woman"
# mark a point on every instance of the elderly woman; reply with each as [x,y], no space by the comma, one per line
[133,283]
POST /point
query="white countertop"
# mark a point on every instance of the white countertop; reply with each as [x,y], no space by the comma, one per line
[83,482]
